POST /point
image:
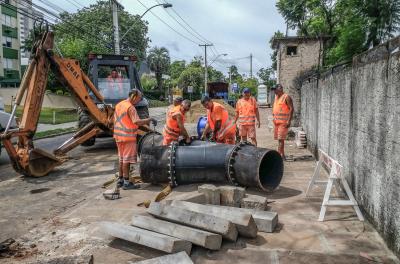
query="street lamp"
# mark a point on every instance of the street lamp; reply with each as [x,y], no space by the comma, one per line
[219,55]
[166,5]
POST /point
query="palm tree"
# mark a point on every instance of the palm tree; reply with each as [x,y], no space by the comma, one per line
[159,61]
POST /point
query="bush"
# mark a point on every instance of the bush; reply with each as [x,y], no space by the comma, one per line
[59,92]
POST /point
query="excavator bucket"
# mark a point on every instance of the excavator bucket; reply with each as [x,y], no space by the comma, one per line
[41,163]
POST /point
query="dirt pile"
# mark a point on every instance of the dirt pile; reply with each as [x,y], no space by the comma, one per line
[197,110]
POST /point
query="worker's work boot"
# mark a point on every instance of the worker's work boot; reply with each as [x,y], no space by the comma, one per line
[120,182]
[130,186]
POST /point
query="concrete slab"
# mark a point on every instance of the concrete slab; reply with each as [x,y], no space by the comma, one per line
[147,238]
[194,219]
[244,222]
[266,221]
[254,202]
[198,237]
[211,192]
[231,195]
[181,258]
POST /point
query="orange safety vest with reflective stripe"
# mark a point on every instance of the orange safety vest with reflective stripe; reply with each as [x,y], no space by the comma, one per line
[227,125]
[247,111]
[124,128]
[280,111]
[171,130]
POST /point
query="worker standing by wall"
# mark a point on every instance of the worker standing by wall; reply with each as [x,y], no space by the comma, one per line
[282,114]
[223,128]
[247,113]
[126,124]
[174,125]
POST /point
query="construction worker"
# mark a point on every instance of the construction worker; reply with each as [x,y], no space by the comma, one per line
[247,113]
[282,114]
[115,85]
[126,124]
[174,125]
[218,121]
[177,101]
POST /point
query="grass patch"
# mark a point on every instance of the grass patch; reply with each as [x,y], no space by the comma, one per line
[54,132]
[46,114]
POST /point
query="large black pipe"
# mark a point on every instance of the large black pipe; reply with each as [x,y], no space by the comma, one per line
[241,164]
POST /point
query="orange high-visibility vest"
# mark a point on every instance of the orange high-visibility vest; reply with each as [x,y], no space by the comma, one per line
[171,130]
[124,128]
[227,125]
[280,111]
[247,111]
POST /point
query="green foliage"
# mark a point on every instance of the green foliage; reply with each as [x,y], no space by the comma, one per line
[159,60]
[148,82]
[251,83]
[192,76]
[176,68]
[235,75]
[266,75]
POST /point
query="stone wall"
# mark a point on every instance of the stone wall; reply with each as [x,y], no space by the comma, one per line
[353,113]
[291,66]
[49,100]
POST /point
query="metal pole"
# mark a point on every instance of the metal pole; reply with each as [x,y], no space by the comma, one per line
[115,6]
[205,66]
[251,65]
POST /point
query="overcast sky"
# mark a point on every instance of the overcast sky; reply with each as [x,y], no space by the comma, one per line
[235,27]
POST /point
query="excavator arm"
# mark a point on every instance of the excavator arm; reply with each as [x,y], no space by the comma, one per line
[32,161]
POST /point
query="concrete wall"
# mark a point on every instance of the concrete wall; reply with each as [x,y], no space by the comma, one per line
[353,113]
[291,66]
[49,100]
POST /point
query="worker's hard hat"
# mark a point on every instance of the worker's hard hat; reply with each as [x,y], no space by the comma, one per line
[278,86]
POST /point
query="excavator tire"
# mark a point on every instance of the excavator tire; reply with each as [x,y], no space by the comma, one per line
[84,119]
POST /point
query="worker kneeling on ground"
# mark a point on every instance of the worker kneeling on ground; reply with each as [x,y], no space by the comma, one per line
[247,113]
[126,124]
[174,125]
[282,114]
[218,121]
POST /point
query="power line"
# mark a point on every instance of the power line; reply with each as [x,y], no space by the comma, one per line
[51,5]
[177,32]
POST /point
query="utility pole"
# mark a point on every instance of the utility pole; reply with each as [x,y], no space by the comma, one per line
[251,65]
[115,7]
[205,65]
[230,79]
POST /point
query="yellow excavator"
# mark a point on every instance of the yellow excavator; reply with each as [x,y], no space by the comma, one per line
[27,159]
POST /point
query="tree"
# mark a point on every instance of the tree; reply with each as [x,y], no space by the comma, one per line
[159,60]
[176,68]
[192,76]
[266,75]
[235,76]
[250,83]
[215,75]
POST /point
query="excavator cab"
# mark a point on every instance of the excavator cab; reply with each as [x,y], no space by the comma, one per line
[114,76]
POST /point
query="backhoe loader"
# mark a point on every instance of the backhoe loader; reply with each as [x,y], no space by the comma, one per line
[27,159]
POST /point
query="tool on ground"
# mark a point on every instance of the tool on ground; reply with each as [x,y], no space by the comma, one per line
[112,194]
[159,197]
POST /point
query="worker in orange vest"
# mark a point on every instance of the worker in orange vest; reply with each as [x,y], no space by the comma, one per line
[177,101]
[126,124]
[174,125]
[218,121]
[247,113]
[282,114]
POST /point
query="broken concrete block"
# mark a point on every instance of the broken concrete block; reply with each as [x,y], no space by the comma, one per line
[196,236]
[147,238]
[254,202]
[211,193]
[181,258]
[231,195]
[83,259]
[193,197]
[194,219]
[244,222]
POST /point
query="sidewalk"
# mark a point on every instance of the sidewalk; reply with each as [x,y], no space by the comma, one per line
[47,127]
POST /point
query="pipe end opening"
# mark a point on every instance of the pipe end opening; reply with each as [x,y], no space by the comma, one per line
[270,170]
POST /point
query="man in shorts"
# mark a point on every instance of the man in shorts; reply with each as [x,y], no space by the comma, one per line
[282,114]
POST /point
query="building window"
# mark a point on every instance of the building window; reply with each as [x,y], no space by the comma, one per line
[8,63]
[291,50]
[6,20]
[7,42]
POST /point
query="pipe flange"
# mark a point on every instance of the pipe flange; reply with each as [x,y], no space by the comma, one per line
[230,171]
[171,165]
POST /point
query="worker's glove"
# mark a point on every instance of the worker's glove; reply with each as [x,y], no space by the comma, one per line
[153,121]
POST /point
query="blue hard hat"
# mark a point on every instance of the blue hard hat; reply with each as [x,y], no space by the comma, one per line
[246,90]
